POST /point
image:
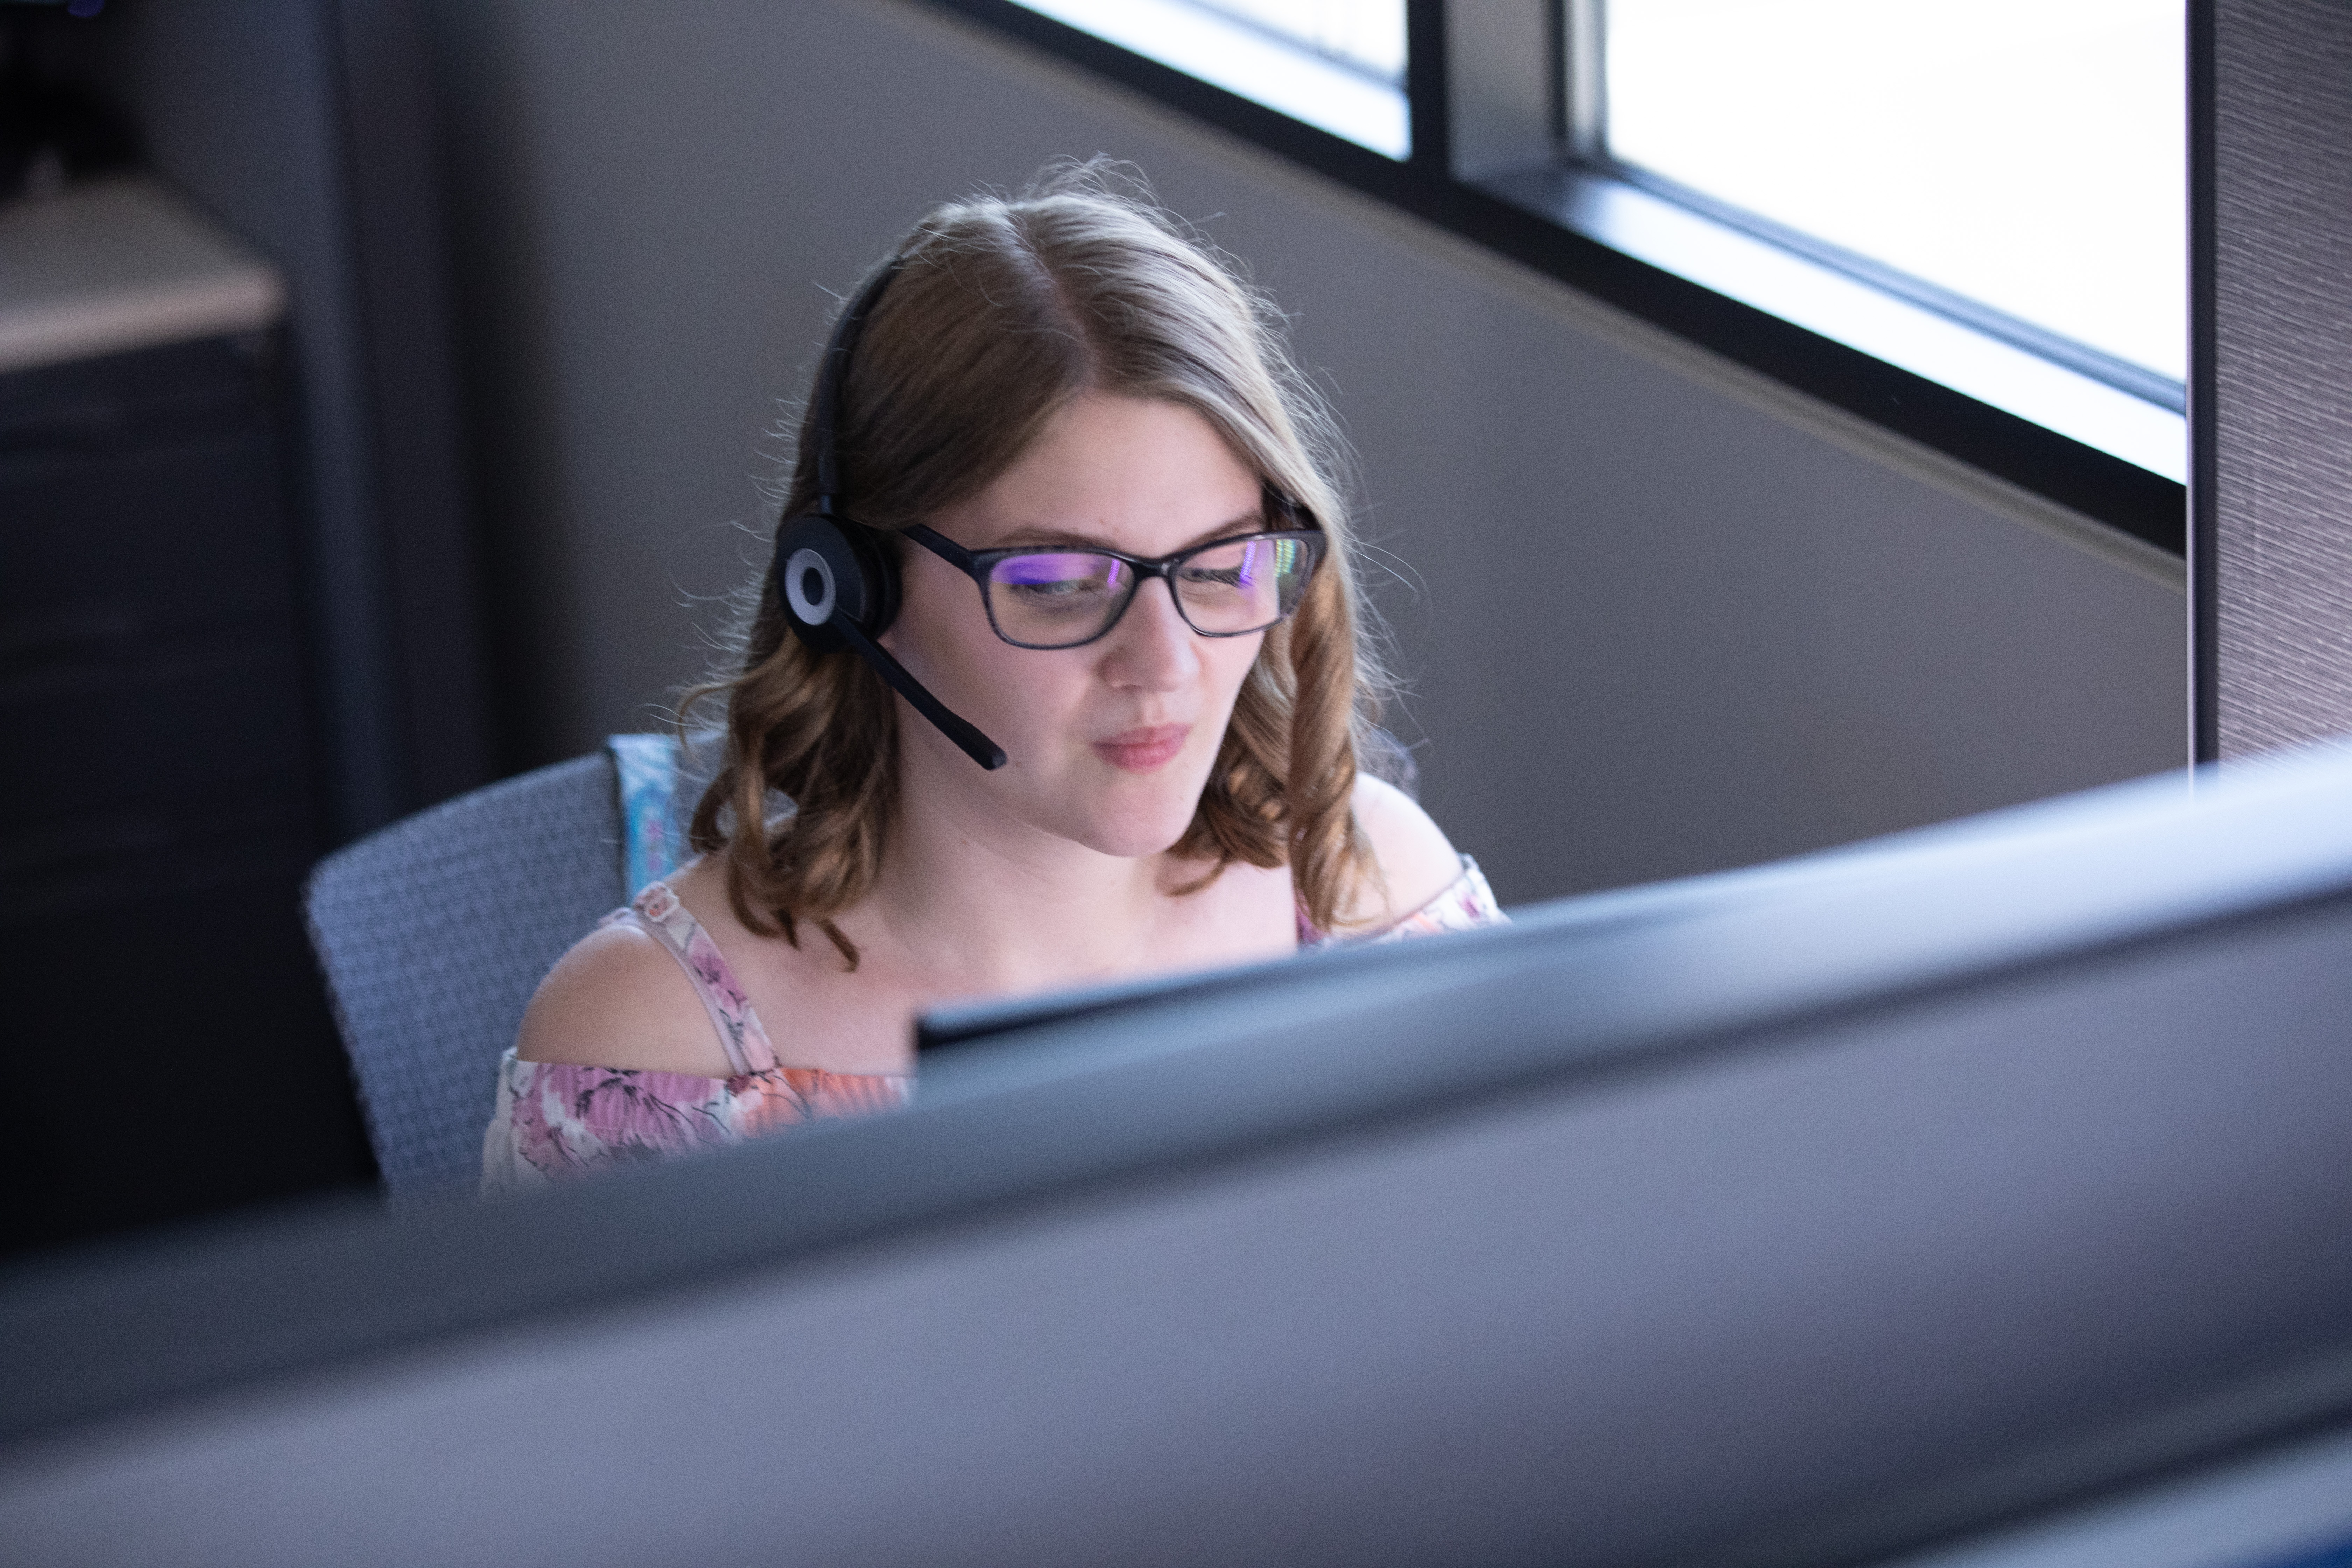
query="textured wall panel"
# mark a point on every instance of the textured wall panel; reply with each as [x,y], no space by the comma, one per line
[2281,372]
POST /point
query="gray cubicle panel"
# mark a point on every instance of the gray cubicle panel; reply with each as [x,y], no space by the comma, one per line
[1811,1217]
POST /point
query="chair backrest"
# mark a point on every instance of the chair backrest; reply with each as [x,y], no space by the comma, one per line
[435,932]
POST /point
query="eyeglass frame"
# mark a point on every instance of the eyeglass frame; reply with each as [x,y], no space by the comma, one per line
[978,563]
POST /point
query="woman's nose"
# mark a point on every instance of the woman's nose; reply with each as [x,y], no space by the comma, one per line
[1151,646]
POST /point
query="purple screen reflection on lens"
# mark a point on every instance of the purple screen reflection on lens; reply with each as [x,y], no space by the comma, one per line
[1025,571]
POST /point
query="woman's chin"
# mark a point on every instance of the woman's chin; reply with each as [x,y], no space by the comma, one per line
[1130,841]
[1133,829]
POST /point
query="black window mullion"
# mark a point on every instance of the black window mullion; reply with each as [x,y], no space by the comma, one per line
[1428,91]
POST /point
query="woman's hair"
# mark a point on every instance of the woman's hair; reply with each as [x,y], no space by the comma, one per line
[1003,310]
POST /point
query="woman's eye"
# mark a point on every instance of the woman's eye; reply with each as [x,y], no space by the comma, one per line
[1057,585]
[1048,590]
[1059,596]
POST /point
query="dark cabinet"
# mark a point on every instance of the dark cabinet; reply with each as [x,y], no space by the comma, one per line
[151,661]
[239,621]
[166,1041]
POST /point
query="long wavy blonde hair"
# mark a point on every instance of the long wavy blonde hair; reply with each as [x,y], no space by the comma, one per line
[1003,309]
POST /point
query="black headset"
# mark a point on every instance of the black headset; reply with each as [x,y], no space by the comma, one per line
[836,577]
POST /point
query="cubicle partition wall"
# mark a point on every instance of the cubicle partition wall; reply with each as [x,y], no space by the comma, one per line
[1851,1208]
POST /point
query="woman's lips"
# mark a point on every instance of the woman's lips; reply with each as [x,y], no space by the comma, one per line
[1140,751]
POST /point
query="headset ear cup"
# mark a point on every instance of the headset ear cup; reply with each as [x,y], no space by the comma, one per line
[879,569]
[818,579]
[828,571]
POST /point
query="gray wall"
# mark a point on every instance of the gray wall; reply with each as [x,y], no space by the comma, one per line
[1657,624]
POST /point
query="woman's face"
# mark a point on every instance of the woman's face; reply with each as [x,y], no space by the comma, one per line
[1110,744]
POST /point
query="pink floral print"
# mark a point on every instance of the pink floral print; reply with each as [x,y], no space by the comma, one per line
[556,1121]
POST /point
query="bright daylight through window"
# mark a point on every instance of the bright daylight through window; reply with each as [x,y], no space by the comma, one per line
[1990,195]
[2022,156]
[1338,64]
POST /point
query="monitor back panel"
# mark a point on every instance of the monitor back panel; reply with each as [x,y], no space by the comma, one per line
[1815,1289]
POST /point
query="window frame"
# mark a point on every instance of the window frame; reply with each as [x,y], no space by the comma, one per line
[1527,194]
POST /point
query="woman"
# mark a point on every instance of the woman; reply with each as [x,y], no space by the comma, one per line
[1037,406]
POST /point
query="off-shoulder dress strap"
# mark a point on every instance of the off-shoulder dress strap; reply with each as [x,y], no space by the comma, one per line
[657,912]
[1465,904]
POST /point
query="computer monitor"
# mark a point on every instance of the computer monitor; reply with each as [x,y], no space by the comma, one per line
[1818,1215]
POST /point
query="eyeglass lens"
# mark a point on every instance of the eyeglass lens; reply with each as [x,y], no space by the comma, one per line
[1060,598]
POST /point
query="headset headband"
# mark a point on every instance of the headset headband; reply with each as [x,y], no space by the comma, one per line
[828,403]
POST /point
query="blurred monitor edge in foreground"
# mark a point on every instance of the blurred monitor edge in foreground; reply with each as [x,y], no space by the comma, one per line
[1918,1200]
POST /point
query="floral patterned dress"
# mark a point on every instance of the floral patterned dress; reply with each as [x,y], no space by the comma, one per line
[556,1121]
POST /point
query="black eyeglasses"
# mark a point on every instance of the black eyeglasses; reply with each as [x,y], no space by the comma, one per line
[1067,598]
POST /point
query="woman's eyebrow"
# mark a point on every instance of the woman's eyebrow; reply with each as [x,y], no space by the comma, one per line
[1250,521]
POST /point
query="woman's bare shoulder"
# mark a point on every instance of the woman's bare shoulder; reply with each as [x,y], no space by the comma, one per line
[1417,861]
[619,999]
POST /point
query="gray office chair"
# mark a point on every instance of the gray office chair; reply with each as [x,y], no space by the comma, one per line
[435,932]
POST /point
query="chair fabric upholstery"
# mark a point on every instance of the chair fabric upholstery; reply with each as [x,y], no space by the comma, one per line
[435,932]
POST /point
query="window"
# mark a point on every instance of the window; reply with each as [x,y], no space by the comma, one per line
[1338,64]
[2020,163]
[1965,222]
